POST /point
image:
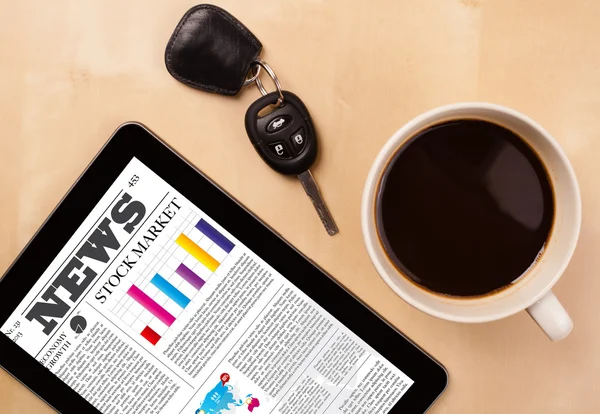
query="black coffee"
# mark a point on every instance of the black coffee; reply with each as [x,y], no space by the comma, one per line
[465,207]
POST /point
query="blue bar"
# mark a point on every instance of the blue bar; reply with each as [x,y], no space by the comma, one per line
[213,234]
[170,290]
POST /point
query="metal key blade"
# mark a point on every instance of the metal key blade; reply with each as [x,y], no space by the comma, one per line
[312,190]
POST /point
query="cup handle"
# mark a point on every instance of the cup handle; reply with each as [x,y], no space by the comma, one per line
[550,315]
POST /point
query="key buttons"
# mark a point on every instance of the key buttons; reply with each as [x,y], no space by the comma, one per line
[279,149]
[278,123]
[298,140]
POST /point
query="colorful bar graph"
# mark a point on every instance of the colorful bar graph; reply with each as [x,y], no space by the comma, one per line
[150,335]
[150,305]
[189,276]
[171,291]
[197,252]
[214,234]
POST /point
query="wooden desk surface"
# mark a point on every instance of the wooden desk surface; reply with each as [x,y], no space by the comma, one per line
[72,71]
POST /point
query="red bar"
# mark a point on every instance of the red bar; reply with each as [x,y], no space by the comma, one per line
[150,335]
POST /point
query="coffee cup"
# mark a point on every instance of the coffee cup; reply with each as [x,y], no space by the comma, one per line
[533,290]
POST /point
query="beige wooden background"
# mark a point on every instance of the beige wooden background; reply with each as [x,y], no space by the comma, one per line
[72,70]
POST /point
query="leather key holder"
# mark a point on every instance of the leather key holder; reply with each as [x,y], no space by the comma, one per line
[211,50]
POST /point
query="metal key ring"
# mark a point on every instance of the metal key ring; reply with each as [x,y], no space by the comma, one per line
[273,76]
[252,79]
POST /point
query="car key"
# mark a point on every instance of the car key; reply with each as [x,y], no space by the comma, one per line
[213,51]
[286,140]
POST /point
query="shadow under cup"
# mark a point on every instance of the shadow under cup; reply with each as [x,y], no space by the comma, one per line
[521,290]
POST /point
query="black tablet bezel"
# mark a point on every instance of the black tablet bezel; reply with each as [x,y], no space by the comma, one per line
[134,140]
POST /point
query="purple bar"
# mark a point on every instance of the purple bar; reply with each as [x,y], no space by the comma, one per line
[214,234]
[189,276]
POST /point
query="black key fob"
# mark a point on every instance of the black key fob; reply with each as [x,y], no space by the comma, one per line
[284,138]
[211,50]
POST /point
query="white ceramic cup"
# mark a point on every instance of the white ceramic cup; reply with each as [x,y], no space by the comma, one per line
[532,292]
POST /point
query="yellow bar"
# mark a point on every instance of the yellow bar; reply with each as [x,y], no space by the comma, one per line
[196,251]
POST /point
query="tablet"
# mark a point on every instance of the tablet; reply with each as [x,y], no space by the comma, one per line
[151,290]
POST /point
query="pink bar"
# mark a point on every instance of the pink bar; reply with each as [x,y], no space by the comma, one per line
[150,305]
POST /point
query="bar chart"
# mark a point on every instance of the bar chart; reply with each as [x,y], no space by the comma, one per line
[167,284]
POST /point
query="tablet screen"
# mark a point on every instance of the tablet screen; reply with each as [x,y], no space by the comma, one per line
[153,307]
